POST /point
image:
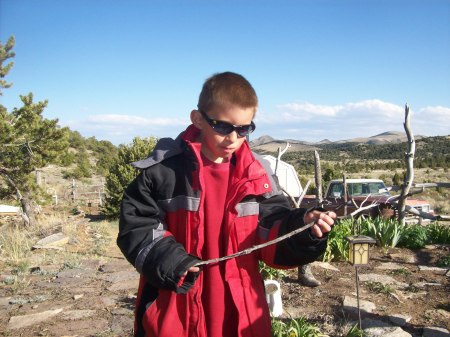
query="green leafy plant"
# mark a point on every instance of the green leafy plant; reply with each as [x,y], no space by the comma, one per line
[295,327]
[444,261]
[337,246]
[414,237]
[354,332]
[379,288]
[269,273]
[387,232]
[438,233]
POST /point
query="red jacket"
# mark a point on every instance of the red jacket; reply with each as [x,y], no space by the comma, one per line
[161,234]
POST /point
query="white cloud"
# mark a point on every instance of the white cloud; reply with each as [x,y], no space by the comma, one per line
[314,122]
[129,120]
[121,129]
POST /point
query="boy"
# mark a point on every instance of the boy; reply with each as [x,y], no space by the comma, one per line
[205,195]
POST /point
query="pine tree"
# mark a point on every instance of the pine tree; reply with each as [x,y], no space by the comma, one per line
[121,173]
[28,141]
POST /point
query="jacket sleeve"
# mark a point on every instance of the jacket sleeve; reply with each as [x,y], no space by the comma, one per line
[147,244]
[276,218]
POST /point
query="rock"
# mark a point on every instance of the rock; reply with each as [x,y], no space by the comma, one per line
[384,279]
[73,315]
[350,305]
[125,285]
[403,258]
[399,320]
[54,241]
[386,332]
[324,265]
[77,297]
[437,270]
[17,322]
[389,266]
[4,301]
[435,332]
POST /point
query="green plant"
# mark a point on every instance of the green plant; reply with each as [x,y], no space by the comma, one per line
[401,271]
[337,246]
[121,173]
[354,332]
[295,327]
[438,233]
[379,288]
[444,261]
[387,232]
[269,273]
[414,237]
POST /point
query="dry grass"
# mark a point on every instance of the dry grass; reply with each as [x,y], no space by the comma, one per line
[86,239]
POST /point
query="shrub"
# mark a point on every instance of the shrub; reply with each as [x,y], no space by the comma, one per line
[438,233]
[414,237]
[121,173]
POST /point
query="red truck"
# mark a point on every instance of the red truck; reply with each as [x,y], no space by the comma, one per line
[362,192]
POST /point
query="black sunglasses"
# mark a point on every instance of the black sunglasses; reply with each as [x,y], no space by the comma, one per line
[225,128]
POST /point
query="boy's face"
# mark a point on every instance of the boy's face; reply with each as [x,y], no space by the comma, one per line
[215,146]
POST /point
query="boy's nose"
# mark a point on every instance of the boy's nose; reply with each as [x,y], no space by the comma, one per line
[233,136]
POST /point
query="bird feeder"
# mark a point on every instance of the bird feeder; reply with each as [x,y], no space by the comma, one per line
[358,254]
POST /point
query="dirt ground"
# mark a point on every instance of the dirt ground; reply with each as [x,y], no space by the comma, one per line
[96,296]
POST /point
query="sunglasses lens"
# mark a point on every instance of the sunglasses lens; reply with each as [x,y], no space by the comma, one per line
[223,128]
[245,129]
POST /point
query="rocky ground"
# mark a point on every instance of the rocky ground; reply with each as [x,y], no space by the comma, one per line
[402,293]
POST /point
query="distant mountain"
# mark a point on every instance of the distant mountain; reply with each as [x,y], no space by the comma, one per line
[269,144]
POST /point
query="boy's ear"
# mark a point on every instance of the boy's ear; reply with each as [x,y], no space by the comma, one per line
[197,119]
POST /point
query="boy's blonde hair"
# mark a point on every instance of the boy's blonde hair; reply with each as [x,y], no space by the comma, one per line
[227,88]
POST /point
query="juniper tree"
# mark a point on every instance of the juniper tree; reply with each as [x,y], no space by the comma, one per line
[28,141]
[121,173]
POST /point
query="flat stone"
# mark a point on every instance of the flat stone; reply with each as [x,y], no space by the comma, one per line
[389,266]
[403,258]
[4,301]
[17,322]
[324,265]
[351,305]
[122,324]
[399,320]
[386,332]
[121,276]
[116,265]
[76,273]
[109,301]
[435,332]
[384,279]
[125,285]
[73,315]
[436,270]
[92,264]
[53,241]
[77,297]
[88,327]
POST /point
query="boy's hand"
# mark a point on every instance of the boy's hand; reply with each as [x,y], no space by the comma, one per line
[322,221]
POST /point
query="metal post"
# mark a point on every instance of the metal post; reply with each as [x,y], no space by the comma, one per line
[357,298]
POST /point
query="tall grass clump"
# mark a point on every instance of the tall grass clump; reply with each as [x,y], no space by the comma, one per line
[337,246]
[387,232]
[15,245]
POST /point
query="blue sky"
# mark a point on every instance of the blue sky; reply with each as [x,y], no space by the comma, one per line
[332,69]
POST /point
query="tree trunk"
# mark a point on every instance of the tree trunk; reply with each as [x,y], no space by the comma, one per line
[28,209]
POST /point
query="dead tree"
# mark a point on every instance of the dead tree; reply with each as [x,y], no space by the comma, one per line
[409,176]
